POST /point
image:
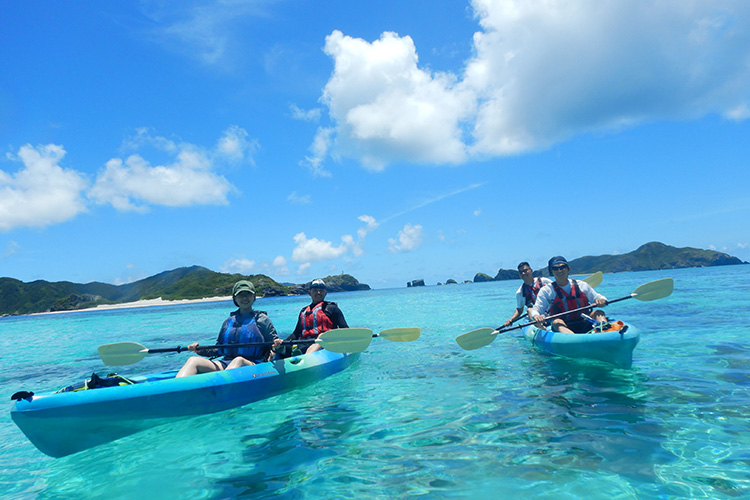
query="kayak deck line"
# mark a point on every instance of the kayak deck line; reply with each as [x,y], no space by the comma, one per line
[60,424]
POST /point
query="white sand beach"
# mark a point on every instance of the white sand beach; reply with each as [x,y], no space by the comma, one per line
[143,303]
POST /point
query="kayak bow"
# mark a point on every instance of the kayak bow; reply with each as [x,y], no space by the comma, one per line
[60,424]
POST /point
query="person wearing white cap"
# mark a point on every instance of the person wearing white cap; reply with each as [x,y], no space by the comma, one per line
[563,295]
[245,325]
[317,317]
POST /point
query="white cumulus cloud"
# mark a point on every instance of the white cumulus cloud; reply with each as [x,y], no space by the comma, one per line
[370,225]
[386,108]
[236,146]
[134,183]
[541,72]
[42,192]
[409,238]
[238,266]
[280,265]
[315,250]
[189,179]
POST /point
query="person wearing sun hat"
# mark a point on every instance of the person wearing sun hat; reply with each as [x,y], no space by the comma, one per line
[317,317]
[565,294]
[245,325]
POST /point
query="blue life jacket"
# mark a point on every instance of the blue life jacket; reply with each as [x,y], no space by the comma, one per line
[238,330]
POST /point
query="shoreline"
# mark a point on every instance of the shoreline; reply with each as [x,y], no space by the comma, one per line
[138,304]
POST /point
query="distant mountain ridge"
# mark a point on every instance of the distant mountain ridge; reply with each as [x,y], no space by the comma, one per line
[648,257]
[17,297]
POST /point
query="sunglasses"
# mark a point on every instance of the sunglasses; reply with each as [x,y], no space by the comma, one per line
[559,268]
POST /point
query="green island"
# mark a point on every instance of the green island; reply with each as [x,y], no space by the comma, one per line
[185,283]
[191,283]
[649,257]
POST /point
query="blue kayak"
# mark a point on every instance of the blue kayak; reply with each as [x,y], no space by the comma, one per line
[63,423]
[614,347]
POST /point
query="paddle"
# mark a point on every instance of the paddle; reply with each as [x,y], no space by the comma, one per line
[594,281]
[339,340]
[399,334]
[647,292]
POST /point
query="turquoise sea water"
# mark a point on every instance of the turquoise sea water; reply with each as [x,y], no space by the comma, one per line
[424,419]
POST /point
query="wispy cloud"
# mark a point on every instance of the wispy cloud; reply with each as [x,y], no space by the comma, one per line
[435,199]
[299,199]
[310,115]
[206,30]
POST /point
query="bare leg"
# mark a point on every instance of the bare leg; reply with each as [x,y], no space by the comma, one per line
[239,361]
[197,364]
[313,348]
[559,325]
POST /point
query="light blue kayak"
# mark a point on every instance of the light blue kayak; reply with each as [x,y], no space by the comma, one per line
[60,424]
[614,347]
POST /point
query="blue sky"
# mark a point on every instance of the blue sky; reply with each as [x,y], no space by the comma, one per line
[391,140]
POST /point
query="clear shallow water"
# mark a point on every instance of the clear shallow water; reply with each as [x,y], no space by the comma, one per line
[423,419]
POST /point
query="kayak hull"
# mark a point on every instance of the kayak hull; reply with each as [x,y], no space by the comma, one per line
[614,347]
[61,424]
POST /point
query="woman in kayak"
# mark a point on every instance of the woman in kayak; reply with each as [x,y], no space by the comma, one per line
[563,295]
[245,325]
[316,318]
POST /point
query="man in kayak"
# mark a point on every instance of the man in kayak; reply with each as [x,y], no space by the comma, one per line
[316,318]
[527,292]
[563,295]
[245,325]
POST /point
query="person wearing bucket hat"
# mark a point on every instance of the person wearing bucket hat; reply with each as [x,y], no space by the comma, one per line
[317,317]
[565,294]
[245,325]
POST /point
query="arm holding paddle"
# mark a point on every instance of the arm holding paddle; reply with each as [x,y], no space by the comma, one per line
[647,292]
[569,322]
[526,294]
[316,318]
[243,326]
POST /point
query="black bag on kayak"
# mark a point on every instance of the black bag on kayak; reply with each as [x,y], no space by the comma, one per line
[95,382]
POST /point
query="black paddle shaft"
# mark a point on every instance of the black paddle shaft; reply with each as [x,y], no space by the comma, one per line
[226,346]
[590,306]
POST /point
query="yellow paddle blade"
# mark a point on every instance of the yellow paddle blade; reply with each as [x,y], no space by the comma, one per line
[122,353]
[654,290]
[476,338]
[595,279]
[345,339]
[400,334]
